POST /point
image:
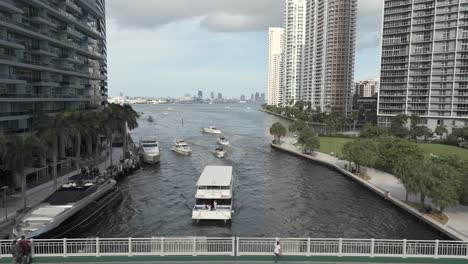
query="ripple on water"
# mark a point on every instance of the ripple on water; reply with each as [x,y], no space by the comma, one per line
[275,194]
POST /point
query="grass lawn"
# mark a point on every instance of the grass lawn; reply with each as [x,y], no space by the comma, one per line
[331,144]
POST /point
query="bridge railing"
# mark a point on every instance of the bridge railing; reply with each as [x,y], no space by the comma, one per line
[232,246]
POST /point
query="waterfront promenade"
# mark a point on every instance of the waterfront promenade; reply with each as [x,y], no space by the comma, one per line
[380,183]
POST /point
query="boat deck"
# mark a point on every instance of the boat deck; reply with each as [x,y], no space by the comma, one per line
[243,259]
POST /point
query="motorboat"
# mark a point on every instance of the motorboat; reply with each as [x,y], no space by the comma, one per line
[149,150]
[181,147]
[150,119]
[211,130]
[223,141]
[219,152]
[214,195]
[70,210]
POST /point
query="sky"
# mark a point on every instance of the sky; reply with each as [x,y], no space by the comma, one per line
[171,48]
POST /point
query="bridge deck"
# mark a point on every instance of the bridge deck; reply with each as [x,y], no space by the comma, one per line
[242,259]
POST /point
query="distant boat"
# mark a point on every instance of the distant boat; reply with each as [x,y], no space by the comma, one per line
[248,108]
[150,119]
[149,150]
[181,147]
[211,130]
[219,151]
[170,108]
[165,113]
[227,107]
[223,141]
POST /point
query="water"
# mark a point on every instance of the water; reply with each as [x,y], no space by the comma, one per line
[276,194]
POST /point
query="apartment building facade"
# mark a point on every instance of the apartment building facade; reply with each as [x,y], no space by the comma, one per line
[424,67]
[275,56]
[52,58]
[367,88]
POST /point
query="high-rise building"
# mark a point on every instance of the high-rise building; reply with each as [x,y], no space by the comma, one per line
[262,97]
[275,52]
[200,95]
[242,97]
[220,96]
[212,95]
[257,96]
[368,88]
[424,67]
[251,97]
[53,57]
[294,37]
[328,61]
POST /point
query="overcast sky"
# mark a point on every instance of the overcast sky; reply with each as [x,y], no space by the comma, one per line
[174,47]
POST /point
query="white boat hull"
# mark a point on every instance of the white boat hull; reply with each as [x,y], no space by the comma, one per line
[219,154]
[219,214]
[211,131]
[150,159]
[182,152]
[224,143]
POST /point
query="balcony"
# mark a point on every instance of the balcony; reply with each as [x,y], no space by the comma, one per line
[11,79]
[10,43]
[10,8]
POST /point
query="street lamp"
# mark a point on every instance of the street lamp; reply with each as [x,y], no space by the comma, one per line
[4,189]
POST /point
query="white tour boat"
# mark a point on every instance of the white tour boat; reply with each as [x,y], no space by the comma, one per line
[214,196]
[219,152]
[181,147]
[211,130]
[149,151]
[223,141]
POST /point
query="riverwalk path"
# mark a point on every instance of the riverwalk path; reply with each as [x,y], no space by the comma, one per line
[381,183]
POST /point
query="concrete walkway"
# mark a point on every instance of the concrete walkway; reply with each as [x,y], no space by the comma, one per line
[382,182]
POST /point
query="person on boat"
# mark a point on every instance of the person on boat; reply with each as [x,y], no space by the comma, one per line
[25,248]
[209,207]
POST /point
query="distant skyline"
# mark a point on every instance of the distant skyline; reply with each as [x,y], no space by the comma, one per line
[160,48]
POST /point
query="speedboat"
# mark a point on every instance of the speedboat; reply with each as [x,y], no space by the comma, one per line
[211,130]
[214,196]
[181,147]
[149,151]
[75,206]
[223,141]
[150,119]
[219,152]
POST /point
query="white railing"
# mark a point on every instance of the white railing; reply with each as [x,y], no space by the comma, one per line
[232,246]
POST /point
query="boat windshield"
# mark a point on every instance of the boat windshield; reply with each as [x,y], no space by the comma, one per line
[64,196]
[150,145]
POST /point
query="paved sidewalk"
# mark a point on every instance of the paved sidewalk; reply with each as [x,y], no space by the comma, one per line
[458,216]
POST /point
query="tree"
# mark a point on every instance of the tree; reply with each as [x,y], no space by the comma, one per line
[406,171]
[398,126]
[371,131]
[3,141]
[333,121]
[391,149]
[441,130]
[309,139]
[277,130]
[362,152]
[21,151]
[446,181]
[297,126]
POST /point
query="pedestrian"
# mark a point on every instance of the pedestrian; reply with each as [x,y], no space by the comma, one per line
[215,204]
[15,252]
[277,250]
[25,248]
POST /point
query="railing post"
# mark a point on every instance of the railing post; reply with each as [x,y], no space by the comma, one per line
[97,246]
[340,247]
[436,249]
[238,248]
[130,251]
[162,246]
[64,247]
[372,248]
[308,247]
[32,247]
[404,248]
[233,244]
[194,250]
[466,250]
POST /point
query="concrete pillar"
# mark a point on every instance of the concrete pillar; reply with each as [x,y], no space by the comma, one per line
[62,146]
[77,148]
[89,145]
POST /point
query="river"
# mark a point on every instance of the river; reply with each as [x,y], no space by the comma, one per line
[276,194]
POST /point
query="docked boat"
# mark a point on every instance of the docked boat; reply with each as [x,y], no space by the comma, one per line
[70,210]
[149,151]
[150,119]
[219,152]
[181,147]
[223,141]
[214,196]
[211,130]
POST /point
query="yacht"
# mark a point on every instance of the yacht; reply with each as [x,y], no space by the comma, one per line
[75,206]
[150,119]
[181,147]
[223,141]
[211,130]
[214,196]
[219,152]
[149,151]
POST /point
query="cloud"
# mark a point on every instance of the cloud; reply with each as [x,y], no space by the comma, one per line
[216,15]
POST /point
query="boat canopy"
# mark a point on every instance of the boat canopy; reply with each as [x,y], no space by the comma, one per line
[216,176]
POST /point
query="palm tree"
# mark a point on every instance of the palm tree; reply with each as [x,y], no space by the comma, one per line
[50,129]
[441,130]
[22,150]
[278,131]
[3,141]
[131,122]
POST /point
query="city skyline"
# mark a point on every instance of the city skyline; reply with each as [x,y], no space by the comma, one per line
[171,55]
